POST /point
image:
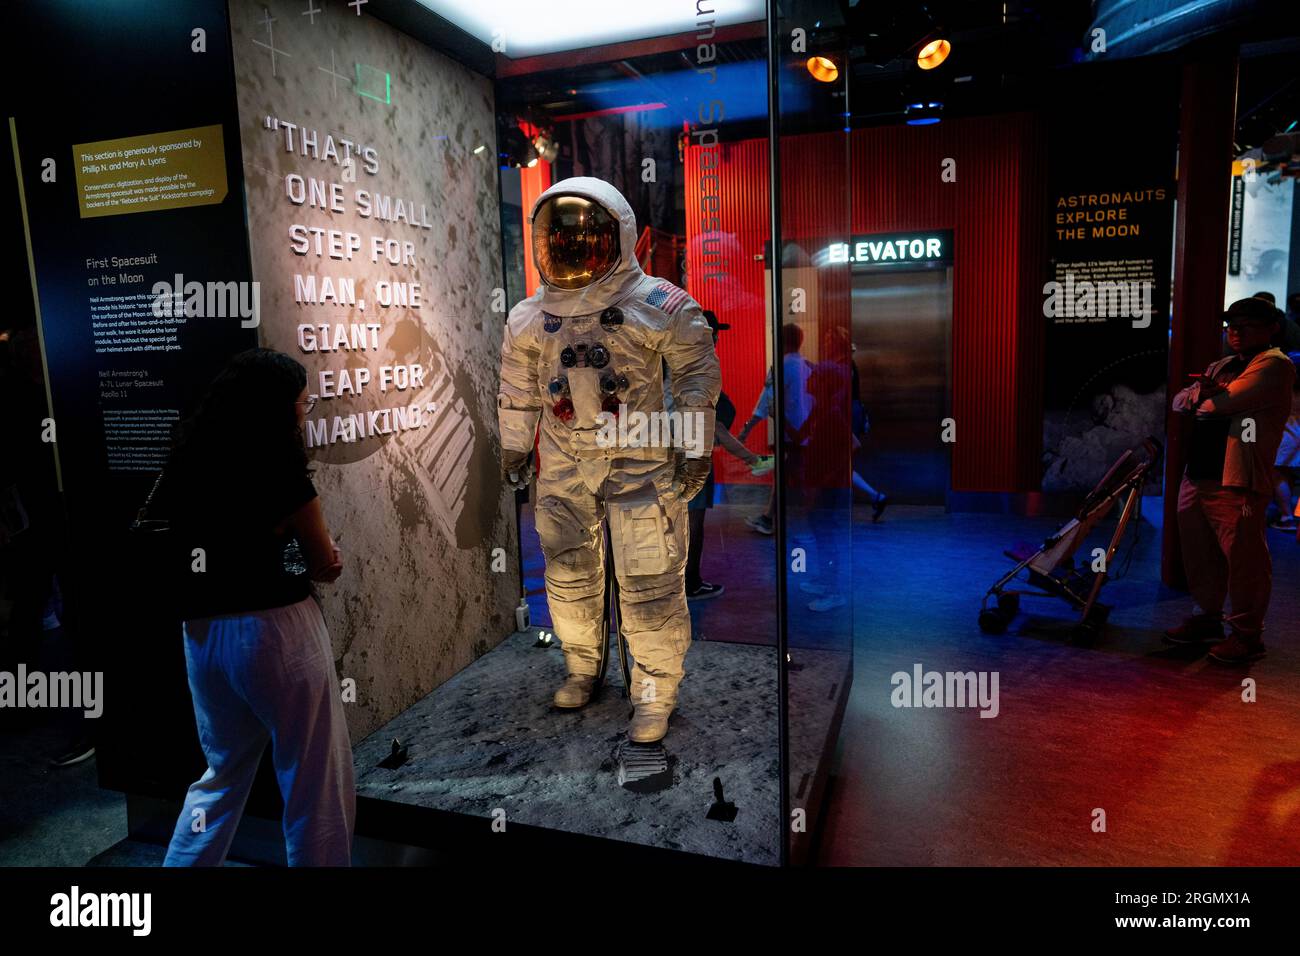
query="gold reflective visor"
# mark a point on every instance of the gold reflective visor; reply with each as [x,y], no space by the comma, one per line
[575,242]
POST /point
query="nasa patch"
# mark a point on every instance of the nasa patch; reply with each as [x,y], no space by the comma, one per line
[551,323]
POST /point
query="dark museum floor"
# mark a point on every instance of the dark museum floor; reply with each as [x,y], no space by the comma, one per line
[1158,738]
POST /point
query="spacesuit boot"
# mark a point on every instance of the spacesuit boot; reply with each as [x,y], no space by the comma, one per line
[575,692]
[582,376]
[649,722]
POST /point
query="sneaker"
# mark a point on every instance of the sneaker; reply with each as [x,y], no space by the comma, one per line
[763,466]
[828,603]
[1197,629]
[808,587]
[704,591]
[80,751]
[878,508]
[760,523]
[1238,650]
[1283,524]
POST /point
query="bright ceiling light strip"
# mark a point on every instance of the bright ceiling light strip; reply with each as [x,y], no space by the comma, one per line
[531,29]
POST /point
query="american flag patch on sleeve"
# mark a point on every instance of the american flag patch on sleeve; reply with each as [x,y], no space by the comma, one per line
[667,297]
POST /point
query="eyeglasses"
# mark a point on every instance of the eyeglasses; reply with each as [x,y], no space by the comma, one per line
[310,403]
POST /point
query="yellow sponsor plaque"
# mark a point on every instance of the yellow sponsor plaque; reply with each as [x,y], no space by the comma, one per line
[183,167]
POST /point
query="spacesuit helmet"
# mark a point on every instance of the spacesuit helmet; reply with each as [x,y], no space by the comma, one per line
[575,241]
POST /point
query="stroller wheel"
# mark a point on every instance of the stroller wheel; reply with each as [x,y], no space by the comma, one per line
[1085,634]
[1009,605]
[1098,615]
[993,621]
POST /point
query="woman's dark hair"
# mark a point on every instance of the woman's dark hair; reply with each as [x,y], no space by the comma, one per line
[246,423]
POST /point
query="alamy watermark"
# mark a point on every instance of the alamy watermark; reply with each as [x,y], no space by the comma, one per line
[662,429]
[58,689]
[77,909]
[922,688]
[211,300]
[1099,300]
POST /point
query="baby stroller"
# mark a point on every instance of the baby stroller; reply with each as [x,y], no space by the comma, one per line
[1051,571]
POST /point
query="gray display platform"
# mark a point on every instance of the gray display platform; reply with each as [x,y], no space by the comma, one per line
[488,740]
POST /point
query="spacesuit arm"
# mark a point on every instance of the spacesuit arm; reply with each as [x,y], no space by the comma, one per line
[696,377]
[518,403]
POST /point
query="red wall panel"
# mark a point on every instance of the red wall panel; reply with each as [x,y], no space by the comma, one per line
[995,208]
[733,289]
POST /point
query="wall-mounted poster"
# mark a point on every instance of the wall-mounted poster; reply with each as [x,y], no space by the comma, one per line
[1106,290]
[371,174]
[132,202]
[1259,247]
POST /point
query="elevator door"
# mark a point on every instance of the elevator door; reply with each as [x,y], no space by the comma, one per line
[902,324]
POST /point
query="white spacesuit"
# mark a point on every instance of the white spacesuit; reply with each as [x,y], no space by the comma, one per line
[585,356]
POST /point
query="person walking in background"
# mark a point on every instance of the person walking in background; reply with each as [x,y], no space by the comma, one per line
[236,489]
[1239,407]
[795,370]
[763,410]
[861,426]
[725,414]
[824,491]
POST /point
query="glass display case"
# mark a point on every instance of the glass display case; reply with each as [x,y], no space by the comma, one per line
[678,117]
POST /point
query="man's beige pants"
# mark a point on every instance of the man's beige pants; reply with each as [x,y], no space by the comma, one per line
[1225,552]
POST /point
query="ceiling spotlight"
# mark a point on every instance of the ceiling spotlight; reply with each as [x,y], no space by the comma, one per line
[823,69]
[933,53]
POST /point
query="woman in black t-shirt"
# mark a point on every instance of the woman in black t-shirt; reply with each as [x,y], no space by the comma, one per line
[251,537]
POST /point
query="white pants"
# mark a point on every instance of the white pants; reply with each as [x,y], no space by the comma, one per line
[258,677]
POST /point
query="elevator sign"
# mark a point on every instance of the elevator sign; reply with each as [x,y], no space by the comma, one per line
[894,250]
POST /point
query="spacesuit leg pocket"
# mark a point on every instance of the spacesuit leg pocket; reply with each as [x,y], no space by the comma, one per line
[572,548]
[641,533]
[651,544]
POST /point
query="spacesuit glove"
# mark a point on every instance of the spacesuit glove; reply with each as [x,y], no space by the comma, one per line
[517,468]
[690,476]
